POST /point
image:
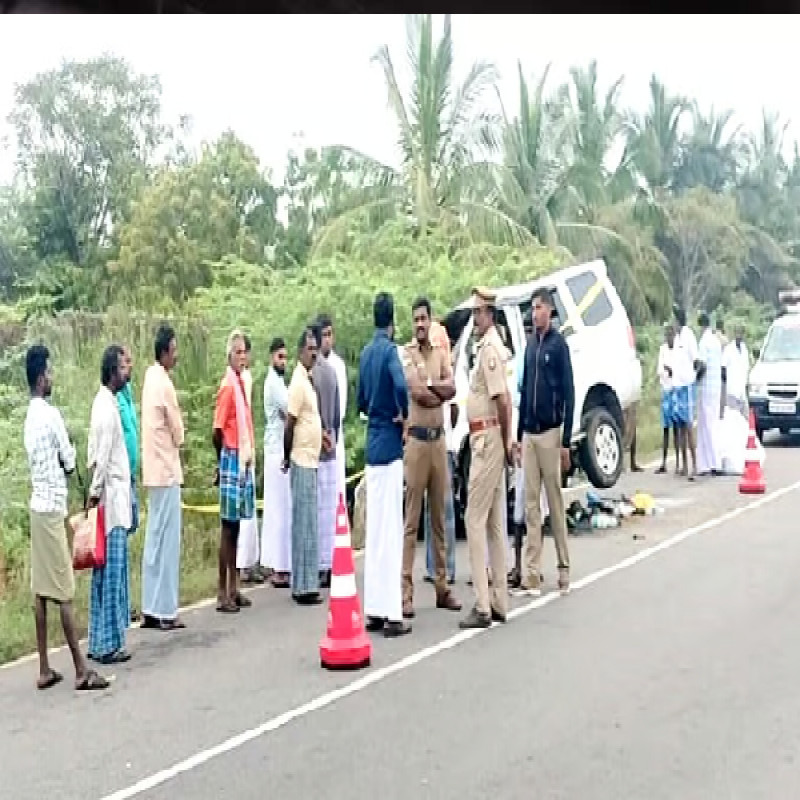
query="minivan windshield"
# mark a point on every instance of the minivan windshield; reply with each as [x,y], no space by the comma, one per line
[783,343]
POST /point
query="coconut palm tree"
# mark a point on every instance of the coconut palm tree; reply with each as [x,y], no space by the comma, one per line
[444,141]
[595,123]
[558,197]
[711,155]
[653,140]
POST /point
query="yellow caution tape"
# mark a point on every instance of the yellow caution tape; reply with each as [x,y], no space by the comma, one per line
[214,508]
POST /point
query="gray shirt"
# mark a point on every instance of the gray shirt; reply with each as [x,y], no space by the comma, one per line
[327,389]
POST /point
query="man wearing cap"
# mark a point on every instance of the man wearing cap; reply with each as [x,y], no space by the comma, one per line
[489,418]
[430,382]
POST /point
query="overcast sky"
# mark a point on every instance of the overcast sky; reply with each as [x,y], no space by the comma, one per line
[272,78]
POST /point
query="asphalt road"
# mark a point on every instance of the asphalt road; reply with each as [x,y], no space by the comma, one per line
[671,671]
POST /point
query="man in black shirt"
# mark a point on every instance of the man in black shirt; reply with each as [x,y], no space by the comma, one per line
[544,432]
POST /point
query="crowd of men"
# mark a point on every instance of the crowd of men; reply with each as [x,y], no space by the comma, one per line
[700,382]
[407,396]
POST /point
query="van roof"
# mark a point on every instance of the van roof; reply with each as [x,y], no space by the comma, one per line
[511,295]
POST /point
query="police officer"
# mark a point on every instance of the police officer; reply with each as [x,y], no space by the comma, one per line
[489,418]
[430,382]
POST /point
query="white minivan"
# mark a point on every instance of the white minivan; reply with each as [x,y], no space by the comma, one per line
[773,386]
[606,368]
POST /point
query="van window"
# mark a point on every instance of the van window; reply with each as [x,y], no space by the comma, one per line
[599,307]
[503,330]
[783,344]
[559,312]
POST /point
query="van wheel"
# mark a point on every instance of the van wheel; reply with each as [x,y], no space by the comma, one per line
[601,451]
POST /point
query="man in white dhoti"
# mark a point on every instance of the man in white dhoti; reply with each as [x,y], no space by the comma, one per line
[735,373]
[709,399]
[383,398]
[247,544]
[276,531]
[335,360]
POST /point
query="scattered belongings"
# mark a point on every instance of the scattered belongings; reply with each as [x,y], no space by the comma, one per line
[604,513]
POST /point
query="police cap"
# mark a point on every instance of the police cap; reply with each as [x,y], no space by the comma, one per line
[481,296]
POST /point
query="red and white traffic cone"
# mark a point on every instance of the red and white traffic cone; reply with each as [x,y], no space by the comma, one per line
[346,644]
[752,481]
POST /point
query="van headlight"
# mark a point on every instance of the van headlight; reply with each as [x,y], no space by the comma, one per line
[756,390]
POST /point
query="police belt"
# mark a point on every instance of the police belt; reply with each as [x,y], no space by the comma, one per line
[425,434]
[485,424]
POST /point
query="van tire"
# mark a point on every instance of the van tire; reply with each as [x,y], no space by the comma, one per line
[599,422]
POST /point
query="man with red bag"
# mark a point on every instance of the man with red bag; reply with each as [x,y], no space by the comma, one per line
[109,612]
[51,458]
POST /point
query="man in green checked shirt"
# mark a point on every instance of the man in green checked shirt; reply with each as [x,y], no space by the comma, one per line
[130,430]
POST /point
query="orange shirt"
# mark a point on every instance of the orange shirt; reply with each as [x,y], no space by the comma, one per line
[225,414]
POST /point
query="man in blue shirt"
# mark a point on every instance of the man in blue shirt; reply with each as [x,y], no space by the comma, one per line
[383,398]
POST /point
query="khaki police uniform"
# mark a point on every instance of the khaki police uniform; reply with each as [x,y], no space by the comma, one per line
[425,465]
[485,501]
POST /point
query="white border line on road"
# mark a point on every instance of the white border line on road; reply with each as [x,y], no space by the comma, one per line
[28,657]
[380,674]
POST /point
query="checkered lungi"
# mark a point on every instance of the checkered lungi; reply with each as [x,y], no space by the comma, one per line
[109,609]
[237,495]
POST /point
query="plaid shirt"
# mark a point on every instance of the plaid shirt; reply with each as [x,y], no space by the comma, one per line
[49,454]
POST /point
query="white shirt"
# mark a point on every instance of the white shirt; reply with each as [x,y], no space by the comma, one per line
[46,441]
[684,355]
[665,359]
[108,457]
[737,369]
[276,403]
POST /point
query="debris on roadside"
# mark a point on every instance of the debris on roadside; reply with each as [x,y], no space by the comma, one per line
[604,513]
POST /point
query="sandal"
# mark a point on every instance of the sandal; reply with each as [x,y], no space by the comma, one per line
[228,608]
[171,625]
[92,683]
[52,679]
[242,601]
[117,657]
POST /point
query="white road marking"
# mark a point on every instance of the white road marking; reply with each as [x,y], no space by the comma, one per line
[208,601]
[380,674]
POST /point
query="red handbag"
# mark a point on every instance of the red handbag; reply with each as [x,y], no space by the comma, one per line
[89,539]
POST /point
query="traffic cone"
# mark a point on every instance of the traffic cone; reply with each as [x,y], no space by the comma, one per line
[346,644]
[752,481]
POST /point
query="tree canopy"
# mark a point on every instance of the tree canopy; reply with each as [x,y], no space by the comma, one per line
[108,206]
